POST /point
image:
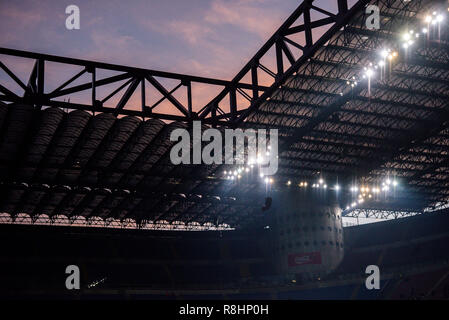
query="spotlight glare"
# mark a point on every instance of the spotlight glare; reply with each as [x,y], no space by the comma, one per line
[428,19]
[337,187]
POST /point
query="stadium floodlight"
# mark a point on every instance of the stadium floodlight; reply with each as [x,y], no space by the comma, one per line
[337,187]
[395,183]
[369,73]
[439,18]
[428,19]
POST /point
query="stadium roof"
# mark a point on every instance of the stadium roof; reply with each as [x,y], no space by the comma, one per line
[87,159]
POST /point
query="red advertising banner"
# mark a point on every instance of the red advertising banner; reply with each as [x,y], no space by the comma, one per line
[298,259]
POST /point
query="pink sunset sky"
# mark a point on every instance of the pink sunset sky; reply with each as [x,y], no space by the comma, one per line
[212,38]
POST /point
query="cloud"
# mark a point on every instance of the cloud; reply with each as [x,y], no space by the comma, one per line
[246,15]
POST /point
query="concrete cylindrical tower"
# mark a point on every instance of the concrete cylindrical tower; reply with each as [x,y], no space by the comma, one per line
[309,232]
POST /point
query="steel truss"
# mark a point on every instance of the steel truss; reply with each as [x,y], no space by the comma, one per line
[81,221]
[326,127]
[383,214]
[286,53]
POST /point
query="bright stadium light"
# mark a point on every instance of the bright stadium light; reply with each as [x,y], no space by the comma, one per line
[369,73]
